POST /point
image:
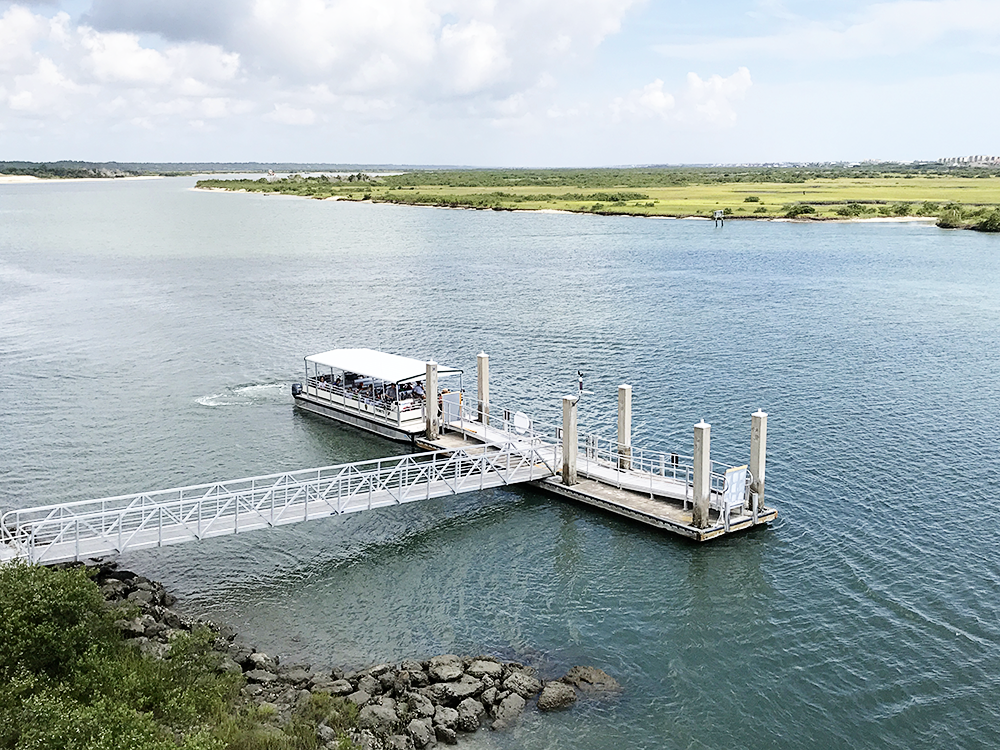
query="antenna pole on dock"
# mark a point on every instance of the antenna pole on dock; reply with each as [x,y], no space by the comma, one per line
[569,440]
[702,473]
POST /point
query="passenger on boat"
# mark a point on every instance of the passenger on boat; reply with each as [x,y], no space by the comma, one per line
[418,390]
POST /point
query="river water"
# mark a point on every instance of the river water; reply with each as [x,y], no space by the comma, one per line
[149,333]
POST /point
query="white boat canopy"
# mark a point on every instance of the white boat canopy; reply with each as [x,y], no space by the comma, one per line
[389,368]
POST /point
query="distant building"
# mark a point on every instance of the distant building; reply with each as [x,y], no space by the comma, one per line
[972,161]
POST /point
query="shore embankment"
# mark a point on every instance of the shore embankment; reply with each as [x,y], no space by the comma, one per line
[413,704]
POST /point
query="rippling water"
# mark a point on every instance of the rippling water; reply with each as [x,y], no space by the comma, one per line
[148,334]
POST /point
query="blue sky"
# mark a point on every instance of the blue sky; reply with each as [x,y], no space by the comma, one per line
[504,83]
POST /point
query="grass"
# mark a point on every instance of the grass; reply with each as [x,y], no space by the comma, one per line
[742,195]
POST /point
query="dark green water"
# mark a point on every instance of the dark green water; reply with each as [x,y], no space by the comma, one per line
[148,334]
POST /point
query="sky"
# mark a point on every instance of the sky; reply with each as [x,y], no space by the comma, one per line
[506,83]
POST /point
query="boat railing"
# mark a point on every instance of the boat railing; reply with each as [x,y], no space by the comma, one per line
[363,400]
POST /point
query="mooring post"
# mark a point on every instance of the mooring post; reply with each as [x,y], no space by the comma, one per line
[483,362]
[431,400]
[569,441]
[624,426]
[702,473]
[758,456]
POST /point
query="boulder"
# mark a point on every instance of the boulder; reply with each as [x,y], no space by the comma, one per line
[483,667]
[420,732]
[556,695]
[522,683]
[378,718]
[380,669]
[489,696]
[447,735]
[591,680]
[400,742]
[445,668]
[420,704]
[506,714]
[359,698]
[412,665]
[341,687]
[370,685]
[467,687]
[261,676]
[470,714]
[445,716]
[260,660]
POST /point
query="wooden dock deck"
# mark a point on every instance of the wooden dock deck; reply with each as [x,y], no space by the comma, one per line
[658,501]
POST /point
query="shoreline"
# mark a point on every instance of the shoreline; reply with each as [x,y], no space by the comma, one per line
[413,704]
[29,179]
[678,217]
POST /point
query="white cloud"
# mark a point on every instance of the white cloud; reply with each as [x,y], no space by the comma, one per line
[289,115]
[702,102]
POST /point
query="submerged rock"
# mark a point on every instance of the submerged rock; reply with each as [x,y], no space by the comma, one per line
[591,680]
[556,695]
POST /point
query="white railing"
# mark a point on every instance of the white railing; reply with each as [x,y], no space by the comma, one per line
[72,531]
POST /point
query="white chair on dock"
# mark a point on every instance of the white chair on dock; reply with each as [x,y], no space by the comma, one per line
[734,494]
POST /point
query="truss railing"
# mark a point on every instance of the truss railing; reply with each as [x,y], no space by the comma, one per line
[72,531]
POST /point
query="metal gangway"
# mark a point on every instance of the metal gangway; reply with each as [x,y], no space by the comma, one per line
[92,528]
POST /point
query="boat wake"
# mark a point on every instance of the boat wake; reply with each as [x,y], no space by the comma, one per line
[248,395]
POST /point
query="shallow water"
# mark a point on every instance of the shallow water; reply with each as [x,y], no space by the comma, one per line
[150,332]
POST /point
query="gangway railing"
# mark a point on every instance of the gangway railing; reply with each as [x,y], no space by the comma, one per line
[76,530]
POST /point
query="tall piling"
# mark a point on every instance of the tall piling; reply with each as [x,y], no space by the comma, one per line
[569,440]
[483,369]
[758,455]
[431,400]
[625,426]
[702,473]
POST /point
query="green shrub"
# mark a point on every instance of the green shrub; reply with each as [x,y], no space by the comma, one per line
[928,208]
[991,223]
[799,209]
[951,217]
[901,209]
[751,199]
[760,210]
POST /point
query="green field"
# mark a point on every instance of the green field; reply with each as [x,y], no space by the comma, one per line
[970,199]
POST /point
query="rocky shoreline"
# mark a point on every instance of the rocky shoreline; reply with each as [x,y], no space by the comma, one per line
[411,705]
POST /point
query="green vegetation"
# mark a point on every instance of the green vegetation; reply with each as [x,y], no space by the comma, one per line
[66,169]
[69,680]
[805,193]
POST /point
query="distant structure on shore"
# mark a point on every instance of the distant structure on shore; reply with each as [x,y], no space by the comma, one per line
[972,161]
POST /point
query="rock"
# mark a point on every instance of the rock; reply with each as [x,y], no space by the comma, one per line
[260,660]
[489,696]
[523,684]
[379,669]
[483,667]
[378,718]
[326,734]
[420,704]
[252,689]
[445,716]
[470,714]
[359,698]
[420,732]
[591,680]
[447,735]
[228,666]
[341,687]
[507,712]
[412,665]
[401,683]
[400,742]
[445,668]
[141,597]
[467,687]
[370,685]
[438,692]
[418,678]
[556,695]
[261,676]
[296,676]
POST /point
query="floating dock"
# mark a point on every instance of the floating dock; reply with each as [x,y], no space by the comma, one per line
[693,497]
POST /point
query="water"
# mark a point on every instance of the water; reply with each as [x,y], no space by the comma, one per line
[150,332]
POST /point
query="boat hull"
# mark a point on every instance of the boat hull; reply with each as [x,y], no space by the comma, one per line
[369,423]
